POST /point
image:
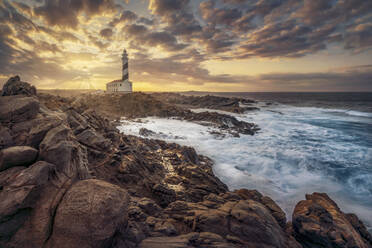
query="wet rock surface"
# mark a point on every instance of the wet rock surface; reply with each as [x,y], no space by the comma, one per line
[90,186]
[319,222]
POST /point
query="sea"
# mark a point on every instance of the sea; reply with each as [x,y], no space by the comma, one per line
[308,142]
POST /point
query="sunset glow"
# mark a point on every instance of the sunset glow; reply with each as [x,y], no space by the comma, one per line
[181,45]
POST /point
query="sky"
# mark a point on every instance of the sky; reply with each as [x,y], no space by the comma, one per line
[183,45]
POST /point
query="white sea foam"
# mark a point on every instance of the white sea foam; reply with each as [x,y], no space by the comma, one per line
[297,151]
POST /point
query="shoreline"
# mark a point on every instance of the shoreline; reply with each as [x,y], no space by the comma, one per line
[80,182]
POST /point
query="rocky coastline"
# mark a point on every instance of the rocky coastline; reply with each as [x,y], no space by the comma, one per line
[68,178]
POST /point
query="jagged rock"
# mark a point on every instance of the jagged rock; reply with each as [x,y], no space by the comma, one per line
[146,132]
[6,139]
[14,86]
[17,156]
[90,214]
[319,222]
[19,196]
[7,175]
[33,131]
[247,222]
[359,227]
[163,194]
[17,109]
[59,147]
[165,227]
[149,206]
[93,139]
[203,239]
[275,210]
[211,102]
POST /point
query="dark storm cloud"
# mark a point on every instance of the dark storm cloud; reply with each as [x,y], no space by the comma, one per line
[146,21]
[146,37]
[219,16]
[178,15]
[65,12]
[126,16]
[106,33]
[168,7]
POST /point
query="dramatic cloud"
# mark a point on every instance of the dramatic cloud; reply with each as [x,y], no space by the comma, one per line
[197,44]
[66,12]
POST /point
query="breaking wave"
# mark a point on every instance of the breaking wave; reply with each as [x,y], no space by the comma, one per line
[299,150]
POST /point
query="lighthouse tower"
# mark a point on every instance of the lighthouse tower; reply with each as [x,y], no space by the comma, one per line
[125,65]
[122,85]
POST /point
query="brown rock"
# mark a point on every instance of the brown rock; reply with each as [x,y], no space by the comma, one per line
[17,109]
[246,222]
[203,239]
[90,214]
[93,139]
[14,86]
[318,222]
[19,196]
[5,138]
[59,147]
[275,210]
[17,156]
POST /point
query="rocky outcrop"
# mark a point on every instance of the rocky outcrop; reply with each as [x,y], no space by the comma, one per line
[319,222]
[6,139]
[14,86]
[17,156]
[61,148]
[138,105]
[194,239]
[234,105]
[245,223]
[17,109]
[145,192]
[90,214]
[19,195]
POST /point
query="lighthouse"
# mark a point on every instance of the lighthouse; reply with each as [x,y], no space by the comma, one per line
[122,85]
[125,61]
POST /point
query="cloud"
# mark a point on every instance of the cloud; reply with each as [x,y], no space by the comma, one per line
[146,37]
[106,33]
[65,13]
[356,78]
[126,16]
[190,34]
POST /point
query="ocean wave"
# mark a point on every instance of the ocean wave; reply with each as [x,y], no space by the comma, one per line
[298,151]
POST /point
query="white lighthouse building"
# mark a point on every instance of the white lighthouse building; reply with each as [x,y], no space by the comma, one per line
[122,85]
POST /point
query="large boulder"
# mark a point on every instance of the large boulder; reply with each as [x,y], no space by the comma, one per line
[14,86]
[17,156]
[246,222]
[61,148]
[319,222]
[275,210]
[33,131]
[17,109]
[19,195]
[90,214]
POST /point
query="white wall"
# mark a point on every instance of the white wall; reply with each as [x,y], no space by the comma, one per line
[124,86]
